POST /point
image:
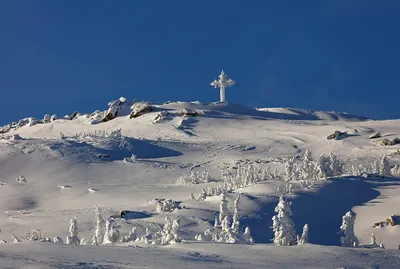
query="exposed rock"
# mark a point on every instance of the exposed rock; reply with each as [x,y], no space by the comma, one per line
[5,129]
[387,142]
[160,117]
[189,112]
[139,109]
[118,108]
[74,115]
[375,135]
[46,118]
[337,135]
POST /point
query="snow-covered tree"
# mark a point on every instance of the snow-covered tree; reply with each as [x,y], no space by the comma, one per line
[170,231]
[290,170]
[223,208]
[304,236]
[373,239]
[99,230]
[348,239]
[384,167]
[322,167]
[336,167]
[72,238]
[236,218]
[53,117]
[111,234]
[307,168]
[202,195]
[395,170]
[283,226]
[247,236]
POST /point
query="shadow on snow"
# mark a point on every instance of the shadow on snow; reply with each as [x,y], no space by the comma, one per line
[322,210]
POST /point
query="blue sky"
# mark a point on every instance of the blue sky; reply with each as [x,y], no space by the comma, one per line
[65,56]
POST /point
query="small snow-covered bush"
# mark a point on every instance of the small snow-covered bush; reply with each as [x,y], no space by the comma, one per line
[165,205]
[58,240]
[131,237]
[131,159]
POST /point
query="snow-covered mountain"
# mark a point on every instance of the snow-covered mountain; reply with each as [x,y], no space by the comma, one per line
[136,156]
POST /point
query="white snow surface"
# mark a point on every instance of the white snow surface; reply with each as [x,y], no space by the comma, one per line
[88,156]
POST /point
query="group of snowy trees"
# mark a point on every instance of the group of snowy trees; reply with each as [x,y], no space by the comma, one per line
[227,230]
[195,178]
[107,232]
[240,177]
[283,226]
[306,171]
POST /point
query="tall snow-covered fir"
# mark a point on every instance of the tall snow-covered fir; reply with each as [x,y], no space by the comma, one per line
[283,226]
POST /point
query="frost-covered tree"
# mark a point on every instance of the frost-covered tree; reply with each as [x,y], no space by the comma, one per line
[304,236]
[111,234]
[236,218]
[72,238]
[322,167]
[348,239]
[373,239]
[336,167]
[307,168]
[395,170]
[99,228]
[384,167]
[170,231]
[202,195]
[283,226]
[290,170]
[223,208]
[247,236]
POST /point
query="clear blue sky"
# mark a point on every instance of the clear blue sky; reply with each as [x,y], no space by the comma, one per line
[62,56]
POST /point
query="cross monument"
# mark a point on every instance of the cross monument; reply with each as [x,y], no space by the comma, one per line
[222,83]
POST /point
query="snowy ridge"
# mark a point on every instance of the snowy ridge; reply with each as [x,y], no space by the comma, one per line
[305,114]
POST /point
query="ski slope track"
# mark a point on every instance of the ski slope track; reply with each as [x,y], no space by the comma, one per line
[71,166]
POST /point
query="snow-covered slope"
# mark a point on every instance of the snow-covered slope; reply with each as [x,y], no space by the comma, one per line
[305,114]
[72,166]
